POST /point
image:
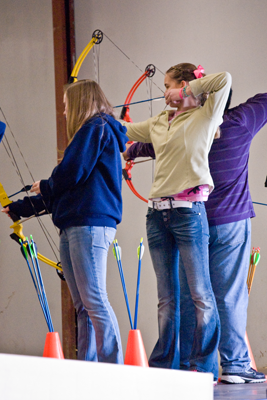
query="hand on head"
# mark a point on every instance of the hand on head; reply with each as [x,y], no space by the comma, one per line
[176,82]
[172,96]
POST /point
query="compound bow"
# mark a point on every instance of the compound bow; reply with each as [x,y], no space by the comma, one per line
[125,115]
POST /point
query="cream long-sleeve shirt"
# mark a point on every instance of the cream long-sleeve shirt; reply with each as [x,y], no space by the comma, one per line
[182,147]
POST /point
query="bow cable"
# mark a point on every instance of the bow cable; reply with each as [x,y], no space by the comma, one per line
[140,69]
[10,154]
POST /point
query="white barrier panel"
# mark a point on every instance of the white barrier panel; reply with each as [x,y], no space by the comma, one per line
[37,378]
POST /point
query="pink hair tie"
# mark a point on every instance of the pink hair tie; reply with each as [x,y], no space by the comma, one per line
[181,93]
[199,71]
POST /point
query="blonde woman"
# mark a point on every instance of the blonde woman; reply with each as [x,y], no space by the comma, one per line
[84,196]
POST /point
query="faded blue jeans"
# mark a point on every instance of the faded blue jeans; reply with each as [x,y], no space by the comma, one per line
[83,252]
[184,232]
[229,252]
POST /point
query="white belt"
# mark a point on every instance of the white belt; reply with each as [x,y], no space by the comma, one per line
[167,204]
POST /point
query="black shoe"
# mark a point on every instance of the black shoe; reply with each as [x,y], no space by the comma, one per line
[249,376]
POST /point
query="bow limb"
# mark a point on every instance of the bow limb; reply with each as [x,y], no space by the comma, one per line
[49,262]
[149,72]
[128,178]
[97,38]
[17,227]
[125,115]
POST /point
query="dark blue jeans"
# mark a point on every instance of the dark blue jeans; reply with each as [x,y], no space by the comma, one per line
[229,252]
[184,232]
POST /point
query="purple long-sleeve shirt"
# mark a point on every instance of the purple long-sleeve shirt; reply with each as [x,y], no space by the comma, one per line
[230,200]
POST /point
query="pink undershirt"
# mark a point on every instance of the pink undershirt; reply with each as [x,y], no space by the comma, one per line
[197,193]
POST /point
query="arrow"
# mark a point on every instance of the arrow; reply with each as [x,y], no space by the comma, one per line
[117,255]
[141,101]
[140,253]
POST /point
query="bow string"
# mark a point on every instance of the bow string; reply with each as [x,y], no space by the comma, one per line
[125,115]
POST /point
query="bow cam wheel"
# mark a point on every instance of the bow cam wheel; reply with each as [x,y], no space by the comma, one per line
[150,69]
[98,35]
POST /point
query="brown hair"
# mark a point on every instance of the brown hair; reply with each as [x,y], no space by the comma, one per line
[185,72]
[84,99]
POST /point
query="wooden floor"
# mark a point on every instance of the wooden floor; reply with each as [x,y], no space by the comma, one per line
[246,391]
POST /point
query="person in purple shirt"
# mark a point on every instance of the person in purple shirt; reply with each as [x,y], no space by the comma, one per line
[229,210]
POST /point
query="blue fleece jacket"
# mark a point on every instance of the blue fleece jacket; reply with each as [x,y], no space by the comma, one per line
[85,188]
[2,130]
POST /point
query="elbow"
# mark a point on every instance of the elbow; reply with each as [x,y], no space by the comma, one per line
[228,79]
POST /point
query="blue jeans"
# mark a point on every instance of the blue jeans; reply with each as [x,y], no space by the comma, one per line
[229,252]
[83,252]
[182,231]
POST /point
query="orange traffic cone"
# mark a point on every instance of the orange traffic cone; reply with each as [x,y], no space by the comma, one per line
[253,363]
[52,346]
[135,350]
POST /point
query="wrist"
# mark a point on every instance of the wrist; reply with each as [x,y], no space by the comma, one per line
[185,92]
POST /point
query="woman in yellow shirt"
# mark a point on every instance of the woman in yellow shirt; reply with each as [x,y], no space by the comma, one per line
[176,218]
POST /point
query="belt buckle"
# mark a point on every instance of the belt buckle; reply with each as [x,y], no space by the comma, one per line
[165,204]
[161,205]
[158,205]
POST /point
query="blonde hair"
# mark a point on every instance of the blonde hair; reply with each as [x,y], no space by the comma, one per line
[84,99]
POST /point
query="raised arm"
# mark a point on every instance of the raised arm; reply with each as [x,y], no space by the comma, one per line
[252,114]
[218,87]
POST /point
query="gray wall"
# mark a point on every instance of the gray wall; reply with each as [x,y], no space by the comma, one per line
[218,34]
[28,101]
